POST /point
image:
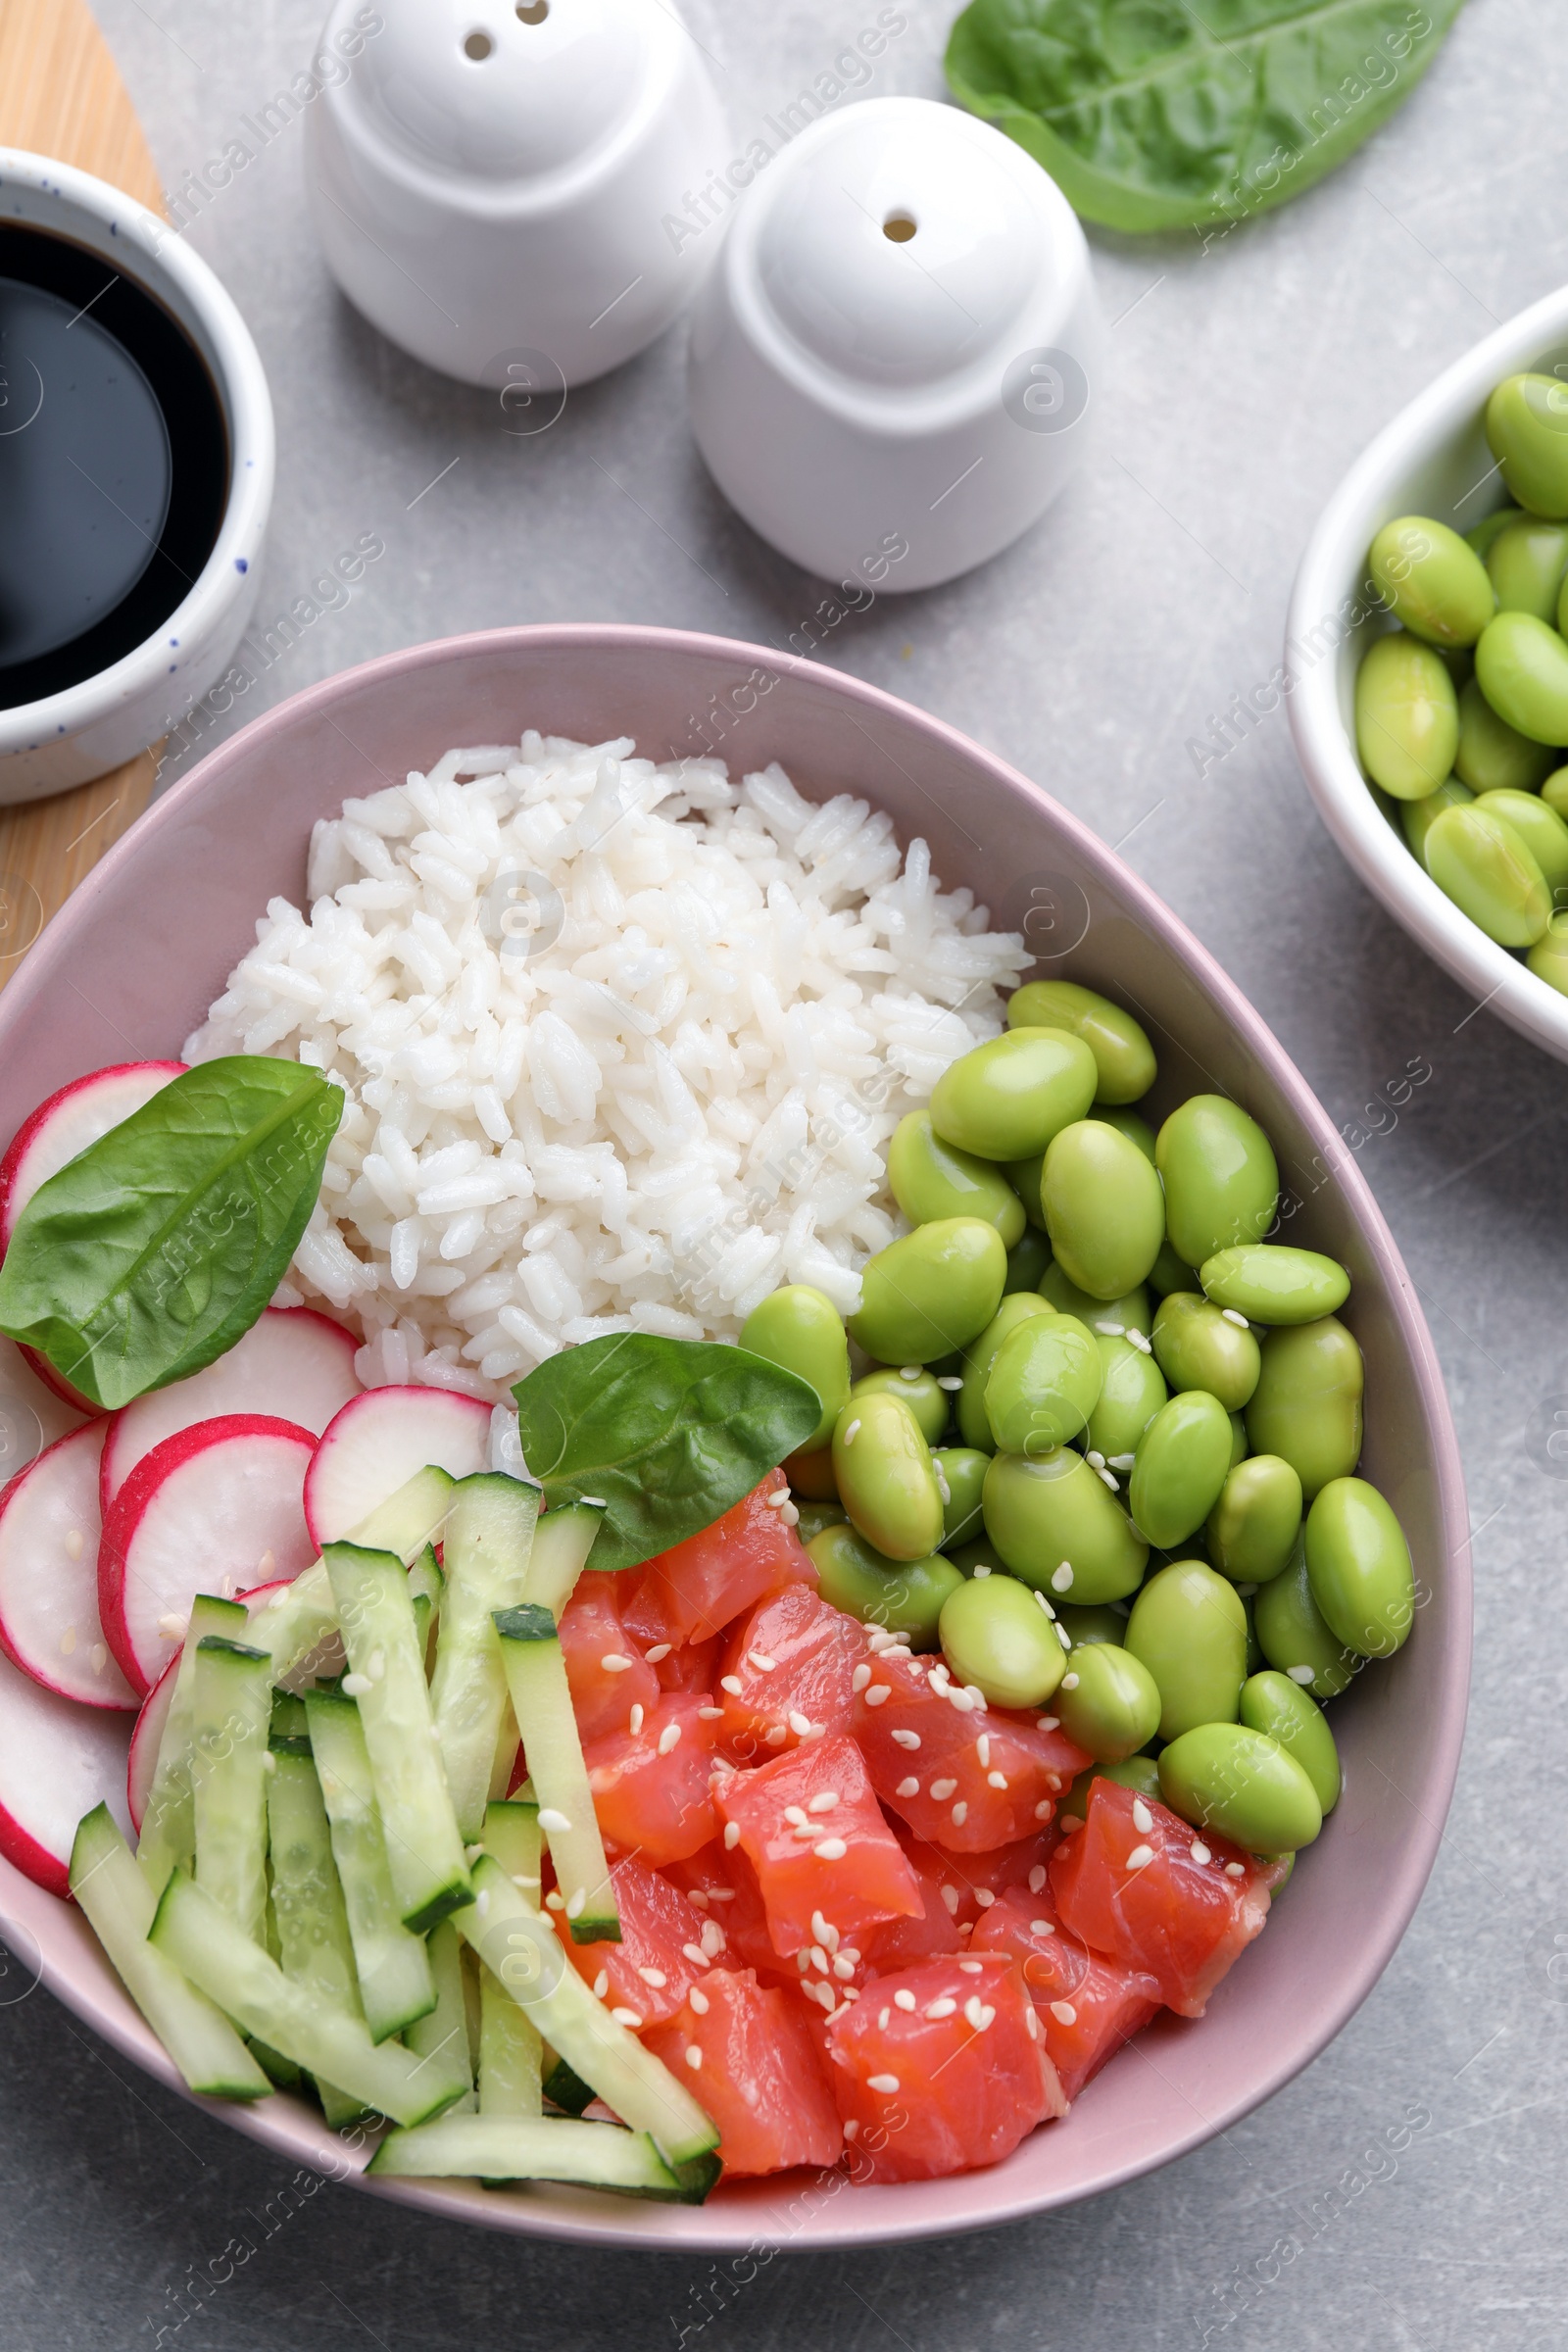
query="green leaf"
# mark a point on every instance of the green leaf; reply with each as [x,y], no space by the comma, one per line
[666,1434]
[157,1247]
[1176,113]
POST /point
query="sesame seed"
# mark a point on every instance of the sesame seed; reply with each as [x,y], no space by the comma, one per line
[996,1779]
[1041,1602]
[173,1629]
[850,2129]
[982,1748]
[659,1650]
[1231,1315]
[984,1898]
[1054,1781]
[732,1835]
[1045,1809]
[710,1714]
[832,1849]
[943,1790]
[1063,1637]
[943,1488]
[775,1734]
[602,1983]
[1032,2023]
[668,1738]
[960,1814]
[823,1801]
[1298,1673]
[1200,1851]
[355,1685]
[732,1684]
[851,1954]
[695,1953]
[1042,1926]
[790,1515]
[884,2084]
[1236,1870]
[908,1787]
[908,1739]
[1143,1819]
[635,1724]
[1139,1341]
[800,1724]
[694,2056]
[949,1896]
[577,1903]
[903,1999]
[701,1898]
[1069,1682]
[859,1678]
[843,1968]
[1095,1461]
[884,2018]
[654,1977]
[960,1699]
[950,1381]
[817,1957]
[1037,1877]
[795,1814]
[1064,2013]
[1140,1857]
[777,1500]
[972,1968]
[697,1999]
[1123,1461]
[628,2018]
[1048,1722]
[971,2010]
[980,1571]
[879,1692]
[851,1432]
[761,1661]
[613,1662]
[941,2007]
[482,1901]
[1106,1478]
[1061,1578]
[554,1901]
[554,1823]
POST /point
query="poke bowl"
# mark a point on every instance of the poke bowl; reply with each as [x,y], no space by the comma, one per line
[138,960]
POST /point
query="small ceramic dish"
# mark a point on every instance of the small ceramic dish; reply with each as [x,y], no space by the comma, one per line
[1432,460]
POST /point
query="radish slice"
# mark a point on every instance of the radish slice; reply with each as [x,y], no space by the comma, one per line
[31,1416]
[377,1443]
[210,1510]
[293,1364]
[49,1534]
[56,1761]
[146,1740]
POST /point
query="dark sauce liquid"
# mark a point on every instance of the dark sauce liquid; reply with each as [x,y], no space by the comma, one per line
[113,465]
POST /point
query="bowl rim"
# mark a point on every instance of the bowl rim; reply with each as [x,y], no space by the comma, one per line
[1331,580]
[289,2129]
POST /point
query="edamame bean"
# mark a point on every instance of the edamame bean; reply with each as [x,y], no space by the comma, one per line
[1107,1702]
[1540,828]
[1128,1123]
[1358,1568]
[1122,1053]
[905,1596]
[1019,1306]
[931,1179]
[1525,564]
[1239,1447]
[1024,1177]
[961,1472]
[1306,1406]
[1111,1318]
[1027,1261]
[1406,716]
[1255,1660]
[1182,1461]
[1171,1273]
[1522,669]
[811,1475]
[1044,1385]
[1196,1345]
[1131,1391]
[1139,1774]
[928,1402]
[1104,1209]
[1189,1627]
[1222,1181]
[1006,1100]
[1484,866]
[814,1516]
[1492,756]
[886,1482]
[1527,432]
[1431,581]
[995,1634]
[1271,1282]
[1549,957]
[1271,1702]
[1294,1637]
[1085,1626]
[1416,816]
[1239,1781]
[1555,792]
[802,1330]
[1480,535]
[1253,1527]
[1056,1525]
[935,1290]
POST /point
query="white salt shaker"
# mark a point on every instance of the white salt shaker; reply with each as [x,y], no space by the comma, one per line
[893,363]
[494,182]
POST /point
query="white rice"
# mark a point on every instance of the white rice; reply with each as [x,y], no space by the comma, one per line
[671,1096]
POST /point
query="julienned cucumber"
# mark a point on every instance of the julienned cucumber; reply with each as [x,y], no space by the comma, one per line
[517,1943]
[204,1942]
[440,2039]
[541,1697]
[120,1905]
[489,1535]
[231,1705]
[169,1823]
[393,1971]
[501,2148]
[561,1544]
[300,1618]
[313,1931]
[510,2053]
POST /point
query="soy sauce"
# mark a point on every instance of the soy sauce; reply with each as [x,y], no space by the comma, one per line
[113,465]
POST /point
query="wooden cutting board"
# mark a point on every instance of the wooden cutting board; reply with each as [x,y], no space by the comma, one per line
[61,95]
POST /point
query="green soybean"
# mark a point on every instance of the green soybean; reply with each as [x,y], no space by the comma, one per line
[1024,1177]
[1027,1261]
[1482,534]
[935,1290]
[1198,1347]
[1540,828]
[1056,1525]
[1270,1283]
[1189,1627]
[1170,1272]
[814,1516]
[1525,564]
[1019,1306]
[1006,1100]
[1306,1406]
[995,1634]
[1107,1702]
[961,1472]
[1131,1391]
[1239,1447]
[1358,1567]
[1255,1660]
[1104,1209]
[1522,669]
[1182,1462]
[932,1179]
[1084,1625]
[927,1401]
[1271,1702]
[1490,873]
[1222,1178]
[1111,1318]
[1406,716]
[1044,1385]
[1136,1129]
[1139,1774]
[802,1330]
[906,1597]
[1294,1637]
[885,1479]
[1433,582]
[1254,1526]
[1123,1055]
[1527,432]
[1228,1777]
[1555,792]
[1416,816]
[1492,756]
[1549,957]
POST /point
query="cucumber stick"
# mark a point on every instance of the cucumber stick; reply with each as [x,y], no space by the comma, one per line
[489,1535]
[511,2052]
[394,1972]
[501,2148]
[203,1941]
[232,1715]
[300,1618]
[439,2040]
[120,1904]
[517,1943]
[312,1928]
[561,1544]
[169,1822]
[536,1677]
[424,1848]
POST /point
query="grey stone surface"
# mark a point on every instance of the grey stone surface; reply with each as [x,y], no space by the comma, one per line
[1245,378]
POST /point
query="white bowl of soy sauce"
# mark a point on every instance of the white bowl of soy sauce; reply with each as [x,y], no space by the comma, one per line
[137,464]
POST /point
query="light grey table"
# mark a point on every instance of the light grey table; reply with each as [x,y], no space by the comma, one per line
[1246,379]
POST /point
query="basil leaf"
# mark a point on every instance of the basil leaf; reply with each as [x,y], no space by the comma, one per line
[157,1247]
[1155,114]
[667,1434]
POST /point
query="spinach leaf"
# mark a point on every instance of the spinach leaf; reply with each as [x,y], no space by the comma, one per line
[157,1247]
[1175,114]
[667,1434]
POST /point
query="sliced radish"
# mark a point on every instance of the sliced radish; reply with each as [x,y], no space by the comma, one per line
[211,1509]
[146,1740]
[56,1761]
[31,1415]
[49,1536]
[378,1442]
[293,1363]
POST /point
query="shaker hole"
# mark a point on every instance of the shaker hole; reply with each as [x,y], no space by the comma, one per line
[478,46]
[899,228]
[532,12]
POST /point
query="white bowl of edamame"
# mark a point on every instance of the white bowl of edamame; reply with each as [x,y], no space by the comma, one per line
[1433,461]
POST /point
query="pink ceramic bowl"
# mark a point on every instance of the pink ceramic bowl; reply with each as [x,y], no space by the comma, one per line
[128,968]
